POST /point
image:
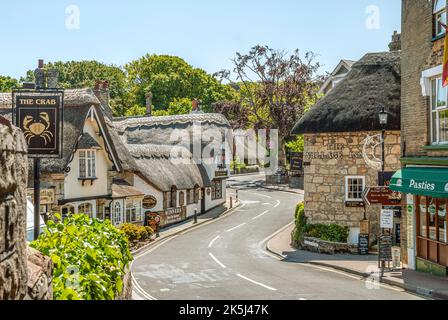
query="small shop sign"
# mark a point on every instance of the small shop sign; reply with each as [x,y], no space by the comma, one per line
[149,202]
[387,219]
[222,173]
[46,196]
[385,248]
[39,114]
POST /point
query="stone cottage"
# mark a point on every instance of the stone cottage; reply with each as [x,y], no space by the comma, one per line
[342,154]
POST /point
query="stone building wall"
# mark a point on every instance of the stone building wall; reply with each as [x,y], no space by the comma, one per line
[24,272]
[329,158]
[13,176]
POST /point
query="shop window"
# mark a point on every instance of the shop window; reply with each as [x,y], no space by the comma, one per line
[196,194]
[441,211]
[134,211]
[87,164]
[423,210]
[354,186]
[190,196]
[85,208]
[439,17]
[216,189]
[181,199]
[173,197]
[439,112]
[432,216]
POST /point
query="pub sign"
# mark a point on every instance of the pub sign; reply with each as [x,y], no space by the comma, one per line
[39,115]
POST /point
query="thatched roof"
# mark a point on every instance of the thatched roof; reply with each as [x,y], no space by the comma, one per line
[158,130]
[166,166]
[122,189]
[77,104]
[353,105]
[87,142]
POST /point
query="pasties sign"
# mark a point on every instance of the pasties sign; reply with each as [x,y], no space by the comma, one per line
[422,185]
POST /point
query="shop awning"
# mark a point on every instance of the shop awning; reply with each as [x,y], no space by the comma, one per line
[431,182]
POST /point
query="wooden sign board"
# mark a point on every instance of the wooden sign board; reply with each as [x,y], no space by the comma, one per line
[149,202]
[364,227]
[39,114]
[381,195]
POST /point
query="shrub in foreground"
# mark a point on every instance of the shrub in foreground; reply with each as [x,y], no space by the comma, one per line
[90,257]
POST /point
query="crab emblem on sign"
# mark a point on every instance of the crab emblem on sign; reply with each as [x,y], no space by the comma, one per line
[33,129]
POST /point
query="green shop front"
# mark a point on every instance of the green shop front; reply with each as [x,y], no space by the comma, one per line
[426,190]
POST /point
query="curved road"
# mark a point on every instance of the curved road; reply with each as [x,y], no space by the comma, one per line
[226,259]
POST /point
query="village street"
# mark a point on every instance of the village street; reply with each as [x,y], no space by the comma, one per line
[227,260]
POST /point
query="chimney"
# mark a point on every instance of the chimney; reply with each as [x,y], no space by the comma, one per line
[148,97]
[102,92]
[195,106]
[39,75]
[395,44]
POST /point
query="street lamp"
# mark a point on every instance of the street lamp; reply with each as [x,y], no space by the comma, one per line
[383,117]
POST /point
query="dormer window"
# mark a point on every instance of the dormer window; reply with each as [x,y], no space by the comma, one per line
[439,17]
[87,164]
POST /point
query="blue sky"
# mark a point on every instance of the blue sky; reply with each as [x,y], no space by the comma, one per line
[206,33]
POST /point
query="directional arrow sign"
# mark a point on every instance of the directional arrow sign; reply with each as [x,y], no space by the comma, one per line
[381,195]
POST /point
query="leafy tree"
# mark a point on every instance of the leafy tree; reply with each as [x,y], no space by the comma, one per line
[275,89]
[170,78]
[81,74]
[7,83]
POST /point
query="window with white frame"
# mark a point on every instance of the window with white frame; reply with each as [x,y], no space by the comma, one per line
[87,164]
[134,210]
[216,189]
[439,17]
[116,218]
[354,186]
[439,112]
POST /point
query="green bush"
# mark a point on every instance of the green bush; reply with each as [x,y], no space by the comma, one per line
[136,233]
[90,257]
[300,222]
[331,232]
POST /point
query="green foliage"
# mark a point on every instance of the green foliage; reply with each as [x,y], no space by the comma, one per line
[84,74]
[296,145]
[170,78]
[136,110]
[331,232]
[136,233]
[90,257]
[7,83]
[300,223]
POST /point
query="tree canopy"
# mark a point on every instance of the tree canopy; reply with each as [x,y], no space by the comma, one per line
[7,83]
[170,78]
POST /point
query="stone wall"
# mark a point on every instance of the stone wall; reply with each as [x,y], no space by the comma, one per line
[24,272]
[328,159]
[13,176]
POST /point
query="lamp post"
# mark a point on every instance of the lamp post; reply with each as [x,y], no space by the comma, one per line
[383,117]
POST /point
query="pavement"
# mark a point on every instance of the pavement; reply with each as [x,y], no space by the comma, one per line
[225,259]
[364,266]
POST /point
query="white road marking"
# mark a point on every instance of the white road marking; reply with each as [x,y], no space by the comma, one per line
[153,248]
[302,299]
[164,290]
[216,260]
[266,203]
[256,282]
[213,241]
[234,228]
[260,215]
[278,203]
[140,289]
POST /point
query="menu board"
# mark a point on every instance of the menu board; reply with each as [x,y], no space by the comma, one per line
[385,248]
[363,244]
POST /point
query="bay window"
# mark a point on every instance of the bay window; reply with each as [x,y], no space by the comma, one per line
[439,112]
[439,17]
[87,168]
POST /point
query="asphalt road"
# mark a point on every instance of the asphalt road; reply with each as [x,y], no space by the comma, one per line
[226,259]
